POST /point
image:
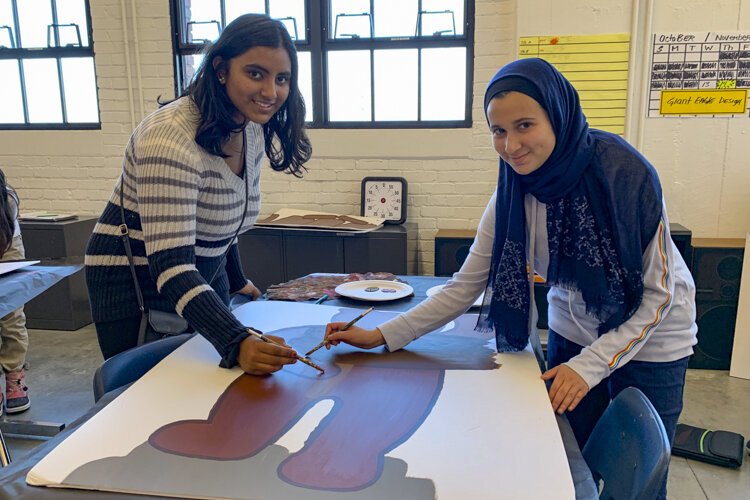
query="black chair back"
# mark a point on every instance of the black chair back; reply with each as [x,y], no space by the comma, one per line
[628,449]
[129,366]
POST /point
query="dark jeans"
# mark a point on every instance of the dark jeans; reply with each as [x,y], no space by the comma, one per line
[122,334]
[662,383]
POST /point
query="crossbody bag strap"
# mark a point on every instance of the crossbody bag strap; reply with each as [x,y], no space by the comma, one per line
[128,250]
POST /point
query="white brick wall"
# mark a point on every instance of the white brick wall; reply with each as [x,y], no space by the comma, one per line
[75,171]
[451,173]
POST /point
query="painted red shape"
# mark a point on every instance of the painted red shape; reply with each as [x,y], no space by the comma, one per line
[379,402]
[375,410]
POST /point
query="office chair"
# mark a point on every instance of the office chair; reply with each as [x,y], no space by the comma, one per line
[628,449]
[128,366]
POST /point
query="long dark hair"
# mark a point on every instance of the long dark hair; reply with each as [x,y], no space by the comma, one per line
[7,219]
[287,144]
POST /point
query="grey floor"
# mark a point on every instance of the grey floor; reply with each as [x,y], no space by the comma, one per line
[62,365]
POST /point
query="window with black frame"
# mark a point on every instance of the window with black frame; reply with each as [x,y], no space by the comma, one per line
[363,63]
[47,65]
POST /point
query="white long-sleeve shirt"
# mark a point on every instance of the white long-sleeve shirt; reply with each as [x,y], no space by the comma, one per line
[662,329]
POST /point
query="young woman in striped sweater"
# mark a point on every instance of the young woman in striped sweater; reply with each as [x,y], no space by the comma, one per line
[584,210]
[190,179]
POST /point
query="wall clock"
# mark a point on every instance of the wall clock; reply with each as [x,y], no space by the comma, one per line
[384,197]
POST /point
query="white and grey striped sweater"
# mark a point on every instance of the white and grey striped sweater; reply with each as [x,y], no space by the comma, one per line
[182,207]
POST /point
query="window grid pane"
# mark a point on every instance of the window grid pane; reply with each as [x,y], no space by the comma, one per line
[11,100]
[349,94]
[292,14]
[444,12]
[42,90]
[396,85]
[350,19]
[33,18]
[7,35]
[372,67]
[304,82]
[79,82]
[190,65]
[58,32]
[443,75]
[394,19]
[72,12]
[202,20]
[235,8]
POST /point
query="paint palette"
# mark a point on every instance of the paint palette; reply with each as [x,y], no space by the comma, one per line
[435,289]
[374,290]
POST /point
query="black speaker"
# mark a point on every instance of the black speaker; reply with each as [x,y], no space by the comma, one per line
[682,236]
[451,249]
[717,271]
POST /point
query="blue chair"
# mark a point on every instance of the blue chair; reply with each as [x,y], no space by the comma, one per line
[628,449]
[130,365]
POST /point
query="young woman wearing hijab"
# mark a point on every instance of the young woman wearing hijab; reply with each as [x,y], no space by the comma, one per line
[621,302]
[190,183]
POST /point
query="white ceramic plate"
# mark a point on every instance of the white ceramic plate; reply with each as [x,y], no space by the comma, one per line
[435,289]
[374,290]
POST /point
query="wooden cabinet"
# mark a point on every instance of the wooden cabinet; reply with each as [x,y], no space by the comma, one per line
[268,256]
[271,256]
[64,306]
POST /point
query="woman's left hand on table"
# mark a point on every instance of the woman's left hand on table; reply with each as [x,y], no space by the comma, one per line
[250,290]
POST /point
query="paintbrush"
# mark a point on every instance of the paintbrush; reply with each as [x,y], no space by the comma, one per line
[322,299]
[258,335]
[346,327]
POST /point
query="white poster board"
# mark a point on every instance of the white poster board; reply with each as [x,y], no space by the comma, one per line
[740,366]
[445,418]
[6,267]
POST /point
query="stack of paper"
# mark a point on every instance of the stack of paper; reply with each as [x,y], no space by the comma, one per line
[289,218]
[46,216]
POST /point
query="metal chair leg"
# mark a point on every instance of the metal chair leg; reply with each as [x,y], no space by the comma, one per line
[4,453]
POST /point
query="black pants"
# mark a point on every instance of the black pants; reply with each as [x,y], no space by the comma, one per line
[122,334]
[662,383]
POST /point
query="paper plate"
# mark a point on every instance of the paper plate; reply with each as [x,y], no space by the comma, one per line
[374,290]
[435,289]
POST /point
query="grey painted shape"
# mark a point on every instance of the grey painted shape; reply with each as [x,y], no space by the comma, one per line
[148,470]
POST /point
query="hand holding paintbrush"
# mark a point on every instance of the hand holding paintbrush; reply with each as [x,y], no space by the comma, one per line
[350,334]
[265,338]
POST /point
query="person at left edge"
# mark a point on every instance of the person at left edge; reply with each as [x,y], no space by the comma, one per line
[186,171]
[14,338]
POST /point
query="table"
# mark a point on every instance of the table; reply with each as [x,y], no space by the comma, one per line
[13,485]
[582,480]
[19,287]
[16,289]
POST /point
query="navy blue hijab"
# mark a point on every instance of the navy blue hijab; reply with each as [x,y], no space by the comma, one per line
[603,208]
